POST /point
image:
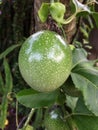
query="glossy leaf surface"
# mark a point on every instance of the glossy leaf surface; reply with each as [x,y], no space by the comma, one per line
[84,119]
[85,78]
[33,99]
[57,11]
[44,11]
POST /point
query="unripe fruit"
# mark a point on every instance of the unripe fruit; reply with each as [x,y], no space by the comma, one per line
[54,121]
[45,61]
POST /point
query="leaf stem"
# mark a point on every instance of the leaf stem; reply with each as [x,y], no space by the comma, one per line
[78,114]
[90,22]
[29,118]
[63,31]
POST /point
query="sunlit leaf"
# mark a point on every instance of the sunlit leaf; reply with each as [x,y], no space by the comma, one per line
[80,7]
[71,102]
[79,55]
[87,71]
[44,11]
[57,11]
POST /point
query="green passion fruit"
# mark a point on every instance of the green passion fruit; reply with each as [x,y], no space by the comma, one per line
[45,61]
[54,121]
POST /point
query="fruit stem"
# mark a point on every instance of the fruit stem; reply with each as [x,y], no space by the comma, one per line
[63,31]
[29,118]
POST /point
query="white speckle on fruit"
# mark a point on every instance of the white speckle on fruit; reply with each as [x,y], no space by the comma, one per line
[55,53]
[35,56]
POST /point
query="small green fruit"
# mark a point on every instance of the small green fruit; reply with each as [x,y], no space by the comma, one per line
[45,61]
[54,121]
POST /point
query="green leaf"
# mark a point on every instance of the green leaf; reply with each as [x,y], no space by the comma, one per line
[87,71]
[85,78]
[8,88]
[33,99]
[95,16]
[81,108]
[71,102]
[84,119]
[72,7]
[44,11]
[80,7]
[79,55]
[70,89]
[76,8]
[86,122]
[8,50]
[57,11]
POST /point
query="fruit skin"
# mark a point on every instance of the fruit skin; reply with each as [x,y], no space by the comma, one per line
[54,121]
[45,61]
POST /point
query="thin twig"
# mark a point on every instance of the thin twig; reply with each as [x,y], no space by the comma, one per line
[17,114]
[29,118]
